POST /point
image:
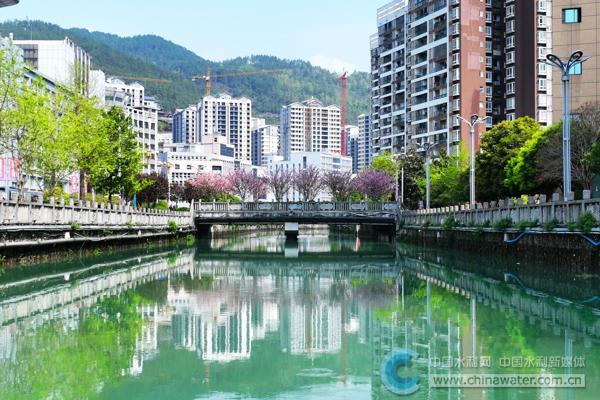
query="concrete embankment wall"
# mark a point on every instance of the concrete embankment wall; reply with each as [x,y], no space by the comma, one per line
[31,230]
[553,248]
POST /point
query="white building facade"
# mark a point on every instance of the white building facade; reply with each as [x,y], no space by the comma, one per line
[60,60]
[185,129]
[229,117]
[310,127]
[265,142]
[143,112]
[184,161]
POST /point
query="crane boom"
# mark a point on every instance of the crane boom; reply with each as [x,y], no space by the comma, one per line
[209,76]
[143,78]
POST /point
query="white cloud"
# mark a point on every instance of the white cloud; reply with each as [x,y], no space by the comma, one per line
[333,64]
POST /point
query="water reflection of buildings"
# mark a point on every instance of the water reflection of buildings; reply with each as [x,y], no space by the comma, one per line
[221,323]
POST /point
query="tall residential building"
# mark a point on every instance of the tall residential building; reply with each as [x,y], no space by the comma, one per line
[230,117]
[60,60]
[576,26]
[265,141]
[364,141]
[310,126]
[143,112]
[352,146]
[435,60]
[185,129]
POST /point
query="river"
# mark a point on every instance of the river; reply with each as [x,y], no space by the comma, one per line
[330,316]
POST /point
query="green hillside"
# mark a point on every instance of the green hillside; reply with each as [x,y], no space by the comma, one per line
[154,57]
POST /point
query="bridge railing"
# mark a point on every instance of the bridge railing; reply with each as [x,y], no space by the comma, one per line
[300,206]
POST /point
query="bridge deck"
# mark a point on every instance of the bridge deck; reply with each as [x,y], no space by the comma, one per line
[375,213]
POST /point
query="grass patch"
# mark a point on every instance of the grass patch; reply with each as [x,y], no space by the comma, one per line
[586,222]
[503,224]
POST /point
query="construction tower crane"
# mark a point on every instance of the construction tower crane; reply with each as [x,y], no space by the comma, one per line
[209,76]
[142,78]
[344,80]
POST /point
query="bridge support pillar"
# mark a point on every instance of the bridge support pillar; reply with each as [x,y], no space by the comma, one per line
[291,230]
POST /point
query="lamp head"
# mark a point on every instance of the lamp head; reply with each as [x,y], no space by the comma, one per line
[553,59]
[576,56]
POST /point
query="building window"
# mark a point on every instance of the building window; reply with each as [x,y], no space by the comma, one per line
[576,69]
[571,15]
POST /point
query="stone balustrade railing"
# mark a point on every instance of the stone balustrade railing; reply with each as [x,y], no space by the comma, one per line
[538,209]
[274,207]
[87,213]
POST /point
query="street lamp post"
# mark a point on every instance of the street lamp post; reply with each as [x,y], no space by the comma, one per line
[565,68]
[168,166]
[399,188]
[427,148]
[475,120]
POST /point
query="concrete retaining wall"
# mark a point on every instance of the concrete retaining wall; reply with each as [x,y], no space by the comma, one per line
[552,248]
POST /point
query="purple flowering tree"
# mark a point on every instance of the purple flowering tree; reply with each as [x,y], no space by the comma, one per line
[308,183]
[279,182]
[205,187]
[258,188]
[339,184]
[374,184]
[242,183]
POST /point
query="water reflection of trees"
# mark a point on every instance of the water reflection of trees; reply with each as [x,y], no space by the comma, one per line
[73,359]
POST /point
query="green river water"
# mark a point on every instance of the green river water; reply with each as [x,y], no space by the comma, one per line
[320,318]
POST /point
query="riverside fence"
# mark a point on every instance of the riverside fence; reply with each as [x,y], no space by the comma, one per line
[540,210]
[87,214]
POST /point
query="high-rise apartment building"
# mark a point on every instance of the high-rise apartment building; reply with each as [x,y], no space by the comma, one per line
[143,112]
[265,141]
[576,26]
[310,126]
[435,60]
[60,60]
[230,117]
[352,146]
[364,141]
[185,129]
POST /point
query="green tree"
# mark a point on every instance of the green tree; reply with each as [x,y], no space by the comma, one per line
[585,127]
[449,178]
[413,165]
[56,153]
[498,146]
[522,173]
[25,118]
[119,168]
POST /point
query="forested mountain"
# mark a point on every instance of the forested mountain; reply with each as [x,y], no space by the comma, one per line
[151,56]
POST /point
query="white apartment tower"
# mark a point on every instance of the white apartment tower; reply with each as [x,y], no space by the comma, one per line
[185,128]
[265,141]
[230,117]
[310,126]
[144,117]
[364,141]
[60,60]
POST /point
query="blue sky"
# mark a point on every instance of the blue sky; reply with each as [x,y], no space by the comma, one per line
[330,33]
